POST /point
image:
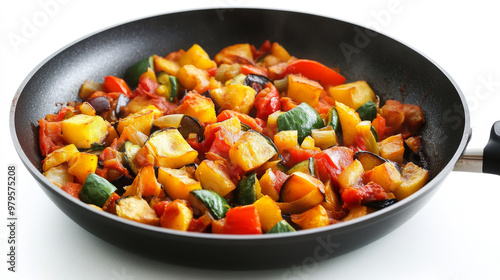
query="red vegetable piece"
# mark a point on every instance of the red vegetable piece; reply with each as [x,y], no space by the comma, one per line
[114,84]
[242,220]
[315,71]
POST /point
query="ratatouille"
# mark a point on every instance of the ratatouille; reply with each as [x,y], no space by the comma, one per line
[252,141]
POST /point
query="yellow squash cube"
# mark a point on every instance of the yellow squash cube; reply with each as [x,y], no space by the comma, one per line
[170,149]
[197,56]
[269,212]
[177,183]
[59,156]
[251,151]
[142,120]
[83,130]
[301,89]
[353,94]
[413,178]
[177,215]
[81,165]
[236,97]
[214,176]
[349,119]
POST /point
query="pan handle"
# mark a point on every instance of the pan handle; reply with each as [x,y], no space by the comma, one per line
[491,153]
[485,161]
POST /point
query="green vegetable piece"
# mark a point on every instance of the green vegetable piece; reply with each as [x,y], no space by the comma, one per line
[306,166]
[374,132]
[333,120]
[174,83]
[217,205]
[302,118]
[281,226]
[96,190]
[367,111]
[135,71]
[245,192]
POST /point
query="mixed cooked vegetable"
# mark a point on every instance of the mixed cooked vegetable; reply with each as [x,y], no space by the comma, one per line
[252,141]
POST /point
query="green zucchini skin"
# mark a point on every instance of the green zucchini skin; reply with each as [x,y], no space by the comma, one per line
[245,193]
[217,205]
[135,71]
[96,190]
[367,111]
[302,118]
[281,226]
[306,166]
[333,120]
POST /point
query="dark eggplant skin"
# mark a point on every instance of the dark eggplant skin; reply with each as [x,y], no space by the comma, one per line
[257,82]
[380,204]
[100,104]
[121,102]
[191,125]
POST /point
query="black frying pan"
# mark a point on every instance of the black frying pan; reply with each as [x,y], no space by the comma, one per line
[393,70]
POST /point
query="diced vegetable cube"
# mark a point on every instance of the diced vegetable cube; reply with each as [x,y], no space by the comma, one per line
[141,120]
[299,185]
[286,139]
[176,215]
[58,175]
[145,183]
[214,176]
[177,183]
[351,176]
[301,89]
[236,97]
[251,151]
[197,56]
[386,175]
[353,94]
[83,130]
[238,53]
[392,148]
[81,164]
[312,218]
[170,149]
[136,209]
[414,178]
[269,212]
[59,156]
[199,107]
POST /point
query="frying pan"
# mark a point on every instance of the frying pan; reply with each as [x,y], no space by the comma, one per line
[393,70]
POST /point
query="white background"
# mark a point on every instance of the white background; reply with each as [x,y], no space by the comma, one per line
[456,236]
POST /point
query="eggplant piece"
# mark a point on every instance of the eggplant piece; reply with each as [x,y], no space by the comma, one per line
[100,104]
[121,182]
[191,125]
[380,204]
[370,160]
[130,150]
[257,82]
[122,101]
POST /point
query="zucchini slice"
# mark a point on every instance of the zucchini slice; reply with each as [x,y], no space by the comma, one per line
[306,166]
[96,190]
[170,149]
[281,226]
[217,205]
[302,118]
[248,190]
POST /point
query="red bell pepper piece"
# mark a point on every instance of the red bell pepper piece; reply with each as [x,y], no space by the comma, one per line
[379,125]
[242,220]
[72,189]
[295,155]
[50,137]
[251,69]
[264,49]
[115,84]
[267,101]
[359,194]
[110,204]
[315,71]
[331,162]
